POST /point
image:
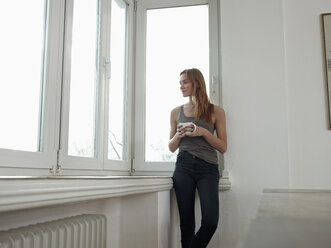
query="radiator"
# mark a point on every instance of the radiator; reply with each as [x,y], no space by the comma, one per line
[82,231]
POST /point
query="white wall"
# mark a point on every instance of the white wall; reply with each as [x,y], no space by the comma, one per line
[254,98]
[309,137]
[275,99]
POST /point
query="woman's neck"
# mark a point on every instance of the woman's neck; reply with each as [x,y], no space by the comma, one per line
[189,108]
[191,103]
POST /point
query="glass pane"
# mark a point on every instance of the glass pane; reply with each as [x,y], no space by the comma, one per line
[21,72]
[177,39]
[117,141]
[84,57]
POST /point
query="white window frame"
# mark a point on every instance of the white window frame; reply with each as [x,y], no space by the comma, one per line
[10,160]
[100,162]
[66,161]
[140,165]
[122,165]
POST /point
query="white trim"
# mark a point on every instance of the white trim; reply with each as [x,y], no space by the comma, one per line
[54,77]
[213,52]
[17,193]
[13,158]
[140,90]
[297,191]
[77,163]
[29,192]
[156,4]
[101,86]
[105,46]
[117,165]
[66,72]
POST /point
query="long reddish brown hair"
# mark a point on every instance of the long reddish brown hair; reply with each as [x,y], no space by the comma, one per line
[203,107]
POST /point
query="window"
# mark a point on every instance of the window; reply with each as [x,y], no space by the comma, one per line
[22,74]
[28,63]
[82,82]
[95,111]
[172,38]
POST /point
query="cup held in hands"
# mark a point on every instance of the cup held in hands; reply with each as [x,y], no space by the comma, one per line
[185,124]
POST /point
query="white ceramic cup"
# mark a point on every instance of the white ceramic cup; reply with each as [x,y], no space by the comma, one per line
[185,124]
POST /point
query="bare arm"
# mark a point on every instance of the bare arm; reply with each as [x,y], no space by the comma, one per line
[219,142]
[174,135]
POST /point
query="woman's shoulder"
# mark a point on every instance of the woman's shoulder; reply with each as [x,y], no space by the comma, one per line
[175,111]
[219,111]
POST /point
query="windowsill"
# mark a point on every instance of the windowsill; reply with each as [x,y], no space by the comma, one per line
[23,192]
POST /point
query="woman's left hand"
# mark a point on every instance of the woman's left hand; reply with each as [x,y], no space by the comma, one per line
[199,131]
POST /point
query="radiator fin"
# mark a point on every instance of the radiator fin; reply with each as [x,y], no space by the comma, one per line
[82,231]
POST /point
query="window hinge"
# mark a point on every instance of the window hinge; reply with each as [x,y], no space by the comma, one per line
[58,166]
[132,170]
[135,6]
[52,170]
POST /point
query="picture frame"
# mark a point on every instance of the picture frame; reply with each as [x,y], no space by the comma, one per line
[326,28]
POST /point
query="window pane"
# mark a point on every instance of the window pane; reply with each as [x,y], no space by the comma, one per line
[21,72]
[84,57]
[177,39]
[117,141]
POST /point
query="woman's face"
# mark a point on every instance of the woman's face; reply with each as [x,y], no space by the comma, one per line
[185,85]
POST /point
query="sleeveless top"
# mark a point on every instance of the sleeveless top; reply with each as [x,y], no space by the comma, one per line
[198,146]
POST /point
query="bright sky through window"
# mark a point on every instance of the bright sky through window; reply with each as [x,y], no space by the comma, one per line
[83,79]
[117,145]
[21,72]
[177,39]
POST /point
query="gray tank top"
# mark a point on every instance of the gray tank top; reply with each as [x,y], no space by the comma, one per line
[198,146]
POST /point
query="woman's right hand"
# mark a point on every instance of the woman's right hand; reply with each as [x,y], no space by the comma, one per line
[184,130]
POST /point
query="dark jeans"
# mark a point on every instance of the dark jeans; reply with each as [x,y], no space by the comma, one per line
[192,173]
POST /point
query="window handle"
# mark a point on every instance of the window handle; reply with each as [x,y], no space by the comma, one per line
[107,67]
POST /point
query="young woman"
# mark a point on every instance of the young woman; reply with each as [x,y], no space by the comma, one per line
[192,131]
